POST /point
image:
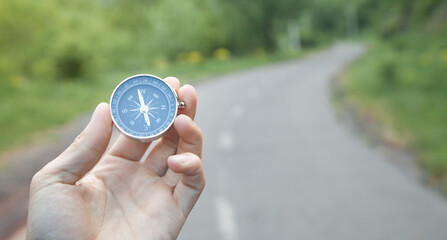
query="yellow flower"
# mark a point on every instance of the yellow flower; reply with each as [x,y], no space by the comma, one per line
[221,54]
[16,81]
[443,55]
[194,57]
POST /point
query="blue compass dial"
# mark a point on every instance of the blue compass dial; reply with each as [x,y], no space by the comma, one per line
[143,107]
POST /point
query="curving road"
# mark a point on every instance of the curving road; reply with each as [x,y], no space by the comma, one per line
[279,165]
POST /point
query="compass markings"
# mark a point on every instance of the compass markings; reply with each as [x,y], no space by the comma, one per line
[150,114]
[139,113]
[137,110]
[136,103]
[144,101]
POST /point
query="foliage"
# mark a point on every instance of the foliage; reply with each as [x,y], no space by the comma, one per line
[404,78]
[60,40]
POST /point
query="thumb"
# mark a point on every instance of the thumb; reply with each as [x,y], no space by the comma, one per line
[83,154]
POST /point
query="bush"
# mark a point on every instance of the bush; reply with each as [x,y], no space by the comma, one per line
[388,73]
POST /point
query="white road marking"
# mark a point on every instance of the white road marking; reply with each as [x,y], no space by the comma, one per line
[225,219]
[226,140]
[237,111]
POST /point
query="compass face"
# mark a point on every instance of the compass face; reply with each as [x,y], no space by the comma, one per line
[143,107]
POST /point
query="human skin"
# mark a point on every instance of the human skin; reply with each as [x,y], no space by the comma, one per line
[87,193]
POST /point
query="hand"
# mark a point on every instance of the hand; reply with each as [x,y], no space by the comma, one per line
[121,197]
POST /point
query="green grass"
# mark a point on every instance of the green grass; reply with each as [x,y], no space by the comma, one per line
[33,106]
[402,84]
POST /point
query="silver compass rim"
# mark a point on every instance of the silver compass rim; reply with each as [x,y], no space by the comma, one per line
[153,137]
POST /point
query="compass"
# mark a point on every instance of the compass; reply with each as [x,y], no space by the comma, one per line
[144,107]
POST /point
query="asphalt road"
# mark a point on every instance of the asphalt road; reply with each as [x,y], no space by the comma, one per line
[279,164]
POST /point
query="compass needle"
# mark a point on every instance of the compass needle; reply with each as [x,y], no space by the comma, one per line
[146,118]
[140,97]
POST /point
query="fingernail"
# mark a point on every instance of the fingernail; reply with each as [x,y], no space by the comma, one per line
[178,159]
[185,117]
[95,112]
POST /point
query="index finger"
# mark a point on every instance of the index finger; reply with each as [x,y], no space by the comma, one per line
[190,136]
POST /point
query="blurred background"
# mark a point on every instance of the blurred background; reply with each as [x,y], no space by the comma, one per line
[59,58]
